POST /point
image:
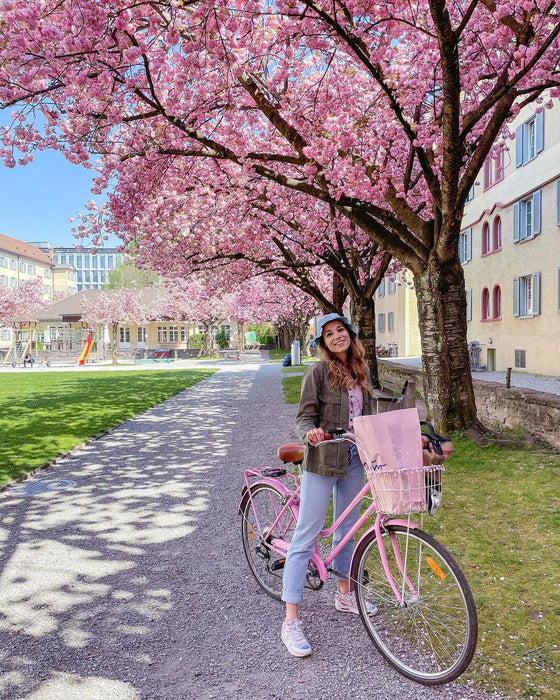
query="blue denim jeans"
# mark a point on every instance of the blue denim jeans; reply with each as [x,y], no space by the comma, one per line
[314,500]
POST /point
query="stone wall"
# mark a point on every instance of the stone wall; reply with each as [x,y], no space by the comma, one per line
[534,411]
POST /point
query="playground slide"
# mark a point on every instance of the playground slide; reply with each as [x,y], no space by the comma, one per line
[87,347]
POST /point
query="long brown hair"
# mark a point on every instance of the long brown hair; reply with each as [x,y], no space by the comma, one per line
[354,372]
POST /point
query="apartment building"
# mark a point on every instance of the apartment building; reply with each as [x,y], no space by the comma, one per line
[92,268]
[510,250]
[20,261]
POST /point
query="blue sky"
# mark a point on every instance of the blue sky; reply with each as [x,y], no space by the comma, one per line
[37,200]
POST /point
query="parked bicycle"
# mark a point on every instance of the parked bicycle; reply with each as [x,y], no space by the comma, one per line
[426,625]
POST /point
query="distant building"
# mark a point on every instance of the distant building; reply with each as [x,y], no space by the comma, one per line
[92,269]
[20,262]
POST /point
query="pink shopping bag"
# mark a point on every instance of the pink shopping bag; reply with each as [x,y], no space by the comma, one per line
[390,447]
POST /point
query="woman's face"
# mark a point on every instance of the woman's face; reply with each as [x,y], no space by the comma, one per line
[337,338]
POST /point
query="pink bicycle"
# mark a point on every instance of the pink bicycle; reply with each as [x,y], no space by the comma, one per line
[426,625]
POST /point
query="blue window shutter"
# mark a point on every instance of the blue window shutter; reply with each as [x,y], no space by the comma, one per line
[469,244]
[516,217]
[540,130]
[519,145]
[516,296]
[536,293]
[537,199]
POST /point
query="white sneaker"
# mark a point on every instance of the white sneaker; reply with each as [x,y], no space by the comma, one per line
[294,639]
[347,603]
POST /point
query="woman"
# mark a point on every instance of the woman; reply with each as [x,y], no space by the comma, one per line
[333,391]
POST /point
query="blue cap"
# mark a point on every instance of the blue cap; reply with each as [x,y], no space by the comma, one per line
[322,322]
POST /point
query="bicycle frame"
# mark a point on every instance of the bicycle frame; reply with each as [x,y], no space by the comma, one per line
[291,500]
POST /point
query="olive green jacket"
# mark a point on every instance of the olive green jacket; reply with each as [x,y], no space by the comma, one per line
[323,406]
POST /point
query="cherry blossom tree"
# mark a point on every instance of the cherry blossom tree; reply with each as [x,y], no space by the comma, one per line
[290,234]
[120,307]
[385,112]
[22,301]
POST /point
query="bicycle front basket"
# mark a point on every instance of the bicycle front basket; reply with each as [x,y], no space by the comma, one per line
[408,490]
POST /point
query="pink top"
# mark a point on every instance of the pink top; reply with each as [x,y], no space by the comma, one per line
[356,403]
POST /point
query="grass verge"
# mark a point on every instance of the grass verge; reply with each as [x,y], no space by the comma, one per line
[45,414]
[501,520]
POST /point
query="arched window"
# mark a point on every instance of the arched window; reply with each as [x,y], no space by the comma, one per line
[485,304]
[497,234]
[485,238]
[497,302]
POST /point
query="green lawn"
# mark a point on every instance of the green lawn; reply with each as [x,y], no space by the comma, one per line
[45,414]
[501,520]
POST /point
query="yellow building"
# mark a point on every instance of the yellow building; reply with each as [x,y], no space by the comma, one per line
[396,322]
[510,249]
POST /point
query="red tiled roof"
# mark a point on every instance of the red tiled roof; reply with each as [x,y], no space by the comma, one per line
[23,249]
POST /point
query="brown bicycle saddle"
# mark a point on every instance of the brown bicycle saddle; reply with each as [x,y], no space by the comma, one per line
[290,452]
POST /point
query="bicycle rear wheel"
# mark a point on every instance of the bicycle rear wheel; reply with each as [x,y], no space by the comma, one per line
[266,565]
[431,637]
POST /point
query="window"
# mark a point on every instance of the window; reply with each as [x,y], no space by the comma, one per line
[141,334]
[70,258]
[381,288]
[184,334]
[520,358]
[485,314]
[3,280]
[124,332]
[497,302]
[78,261]
[173,334]
[470,195]
[527,295]
[497,234]
[529,139]
[381,322]
[22,267]
[469,304]
[493,169]
[486,239]
[13,264]
[162,334]
[465,245]
[391,285]
[391,321]
[3,261]
[527,217]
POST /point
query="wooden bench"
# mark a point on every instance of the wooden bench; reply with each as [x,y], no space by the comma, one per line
[394,394]
[230,354]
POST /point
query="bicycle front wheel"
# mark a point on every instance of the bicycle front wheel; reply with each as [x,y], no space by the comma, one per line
[431,635]
[258,517]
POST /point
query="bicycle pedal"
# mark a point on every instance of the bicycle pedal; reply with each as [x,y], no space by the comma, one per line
[277,565]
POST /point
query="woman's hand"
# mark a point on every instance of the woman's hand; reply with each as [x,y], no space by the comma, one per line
[316,435]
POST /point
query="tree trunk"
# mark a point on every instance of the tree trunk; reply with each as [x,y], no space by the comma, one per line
[208,349]
[447,381]
[114,338]
[362,313]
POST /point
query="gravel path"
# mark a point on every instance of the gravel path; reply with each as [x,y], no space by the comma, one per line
[132,583]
